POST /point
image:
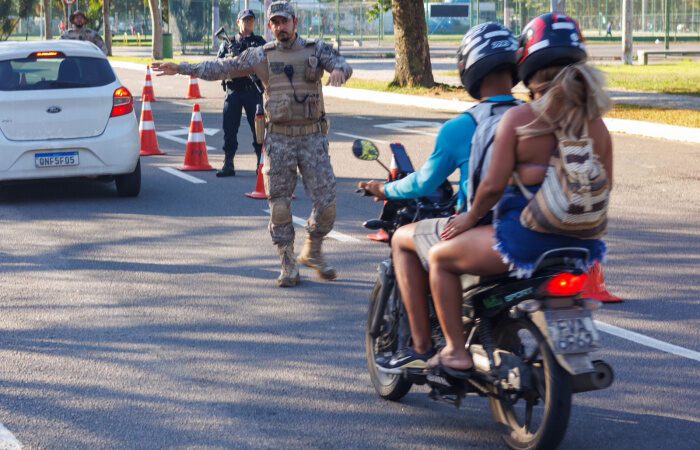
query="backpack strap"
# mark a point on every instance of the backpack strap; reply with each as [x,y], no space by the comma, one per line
[527,194]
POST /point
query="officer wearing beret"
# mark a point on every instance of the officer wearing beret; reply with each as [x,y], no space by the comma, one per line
[241,93]
[82,33]
[290,69]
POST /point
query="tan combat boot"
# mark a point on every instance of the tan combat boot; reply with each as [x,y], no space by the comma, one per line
[289,276]
[311,257]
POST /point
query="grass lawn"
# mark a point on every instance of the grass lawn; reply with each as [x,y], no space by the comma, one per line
[674,78]
[677,78]
[680,117]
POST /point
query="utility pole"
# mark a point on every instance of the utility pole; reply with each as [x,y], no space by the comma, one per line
[506,16]
[558,6]
[627,31]
[214,24]
[667,7]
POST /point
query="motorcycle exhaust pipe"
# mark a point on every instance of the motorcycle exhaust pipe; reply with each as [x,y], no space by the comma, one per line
[601,377]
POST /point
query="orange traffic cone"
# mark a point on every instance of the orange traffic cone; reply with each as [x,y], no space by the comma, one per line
[193,90]
[595,287]
[196,158]
[147,131]
[148,93]
[394,168]
[259,192]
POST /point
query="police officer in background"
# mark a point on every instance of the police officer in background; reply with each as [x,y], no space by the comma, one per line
[241,93]
[296,127]
[80,32]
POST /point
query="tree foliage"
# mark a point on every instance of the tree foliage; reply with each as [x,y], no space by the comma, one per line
[11,12]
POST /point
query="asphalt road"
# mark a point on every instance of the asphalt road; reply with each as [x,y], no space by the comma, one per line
[155,322]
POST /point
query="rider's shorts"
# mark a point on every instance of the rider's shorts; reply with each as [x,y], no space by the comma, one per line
[427,234]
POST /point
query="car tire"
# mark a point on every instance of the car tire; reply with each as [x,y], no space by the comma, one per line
[129,185]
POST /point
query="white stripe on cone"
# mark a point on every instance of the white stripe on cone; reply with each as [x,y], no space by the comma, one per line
[196,137]
[147,125]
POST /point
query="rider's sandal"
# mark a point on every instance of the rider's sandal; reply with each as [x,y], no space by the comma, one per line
[436,365]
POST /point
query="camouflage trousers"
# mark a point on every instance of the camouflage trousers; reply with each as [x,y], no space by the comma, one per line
[309,154]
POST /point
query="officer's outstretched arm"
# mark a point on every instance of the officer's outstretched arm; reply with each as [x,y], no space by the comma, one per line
[225,69]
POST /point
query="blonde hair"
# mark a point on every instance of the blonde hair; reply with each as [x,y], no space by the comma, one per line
[572,96]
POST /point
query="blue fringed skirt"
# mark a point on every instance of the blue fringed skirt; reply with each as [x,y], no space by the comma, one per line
[520,247]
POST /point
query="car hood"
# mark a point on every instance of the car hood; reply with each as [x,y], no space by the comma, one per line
[55,114]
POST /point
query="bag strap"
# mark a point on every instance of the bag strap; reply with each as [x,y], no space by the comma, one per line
[527,194]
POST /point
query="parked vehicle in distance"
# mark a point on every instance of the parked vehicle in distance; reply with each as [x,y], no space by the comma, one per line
[65,114]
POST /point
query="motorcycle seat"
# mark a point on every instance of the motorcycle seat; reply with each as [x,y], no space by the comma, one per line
[565,258]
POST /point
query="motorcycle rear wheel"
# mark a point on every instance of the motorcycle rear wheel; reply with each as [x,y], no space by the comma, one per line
[538,419]
[389,386]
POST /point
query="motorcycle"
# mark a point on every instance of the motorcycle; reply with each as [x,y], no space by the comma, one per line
[530,339]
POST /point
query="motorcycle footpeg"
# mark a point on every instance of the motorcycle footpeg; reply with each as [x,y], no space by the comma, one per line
[415,376]
[449,395]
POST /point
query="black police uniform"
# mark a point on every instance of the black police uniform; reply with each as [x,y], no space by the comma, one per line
[241,93]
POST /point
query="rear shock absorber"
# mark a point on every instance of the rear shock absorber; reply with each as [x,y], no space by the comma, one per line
[486,339]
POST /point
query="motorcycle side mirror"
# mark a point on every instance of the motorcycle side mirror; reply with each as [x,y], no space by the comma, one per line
[365,150]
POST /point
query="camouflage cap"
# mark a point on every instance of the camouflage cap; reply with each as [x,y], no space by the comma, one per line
[76,13]
[280,9]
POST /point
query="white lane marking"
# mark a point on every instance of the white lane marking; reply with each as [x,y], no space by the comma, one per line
[184,176]
[647,341]
[354,136]
[189,105]
[7,440]
[184,131]
[333,234]
[407,125]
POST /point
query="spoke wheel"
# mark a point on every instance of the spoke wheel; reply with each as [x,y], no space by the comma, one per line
[537,416]
[388,386]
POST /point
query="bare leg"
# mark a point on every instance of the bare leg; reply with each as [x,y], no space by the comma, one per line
[470,252]
[413,283]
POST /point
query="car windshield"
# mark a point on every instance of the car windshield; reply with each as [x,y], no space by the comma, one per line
[54,73]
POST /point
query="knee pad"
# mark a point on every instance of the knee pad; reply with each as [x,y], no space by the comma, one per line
[325,220]
[280,213]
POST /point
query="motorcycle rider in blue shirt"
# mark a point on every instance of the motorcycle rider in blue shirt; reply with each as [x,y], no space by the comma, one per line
[486,61]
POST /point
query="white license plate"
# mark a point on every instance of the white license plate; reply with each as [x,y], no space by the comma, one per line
[56,159]
[572,331]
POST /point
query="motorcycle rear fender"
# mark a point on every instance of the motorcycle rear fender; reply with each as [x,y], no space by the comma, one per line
[387,280]
[574,363]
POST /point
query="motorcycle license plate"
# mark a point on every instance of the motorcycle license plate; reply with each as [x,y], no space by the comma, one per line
[572,331]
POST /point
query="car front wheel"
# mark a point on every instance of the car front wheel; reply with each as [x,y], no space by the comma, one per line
[129,185]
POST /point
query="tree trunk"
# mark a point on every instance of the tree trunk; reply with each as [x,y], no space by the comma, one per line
[413,66]
[157,27]
[106,6]
[47,19]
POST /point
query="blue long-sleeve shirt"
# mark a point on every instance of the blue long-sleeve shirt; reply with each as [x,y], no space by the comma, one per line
[452,151]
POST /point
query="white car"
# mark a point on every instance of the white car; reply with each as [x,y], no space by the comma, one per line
[64,114]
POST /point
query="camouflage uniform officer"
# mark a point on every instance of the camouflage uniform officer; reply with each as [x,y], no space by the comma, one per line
[80,32]
[290,69]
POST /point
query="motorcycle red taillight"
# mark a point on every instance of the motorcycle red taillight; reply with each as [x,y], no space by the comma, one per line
[565,285]
[123,102]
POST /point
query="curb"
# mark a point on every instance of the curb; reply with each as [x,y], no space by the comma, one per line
[632,127]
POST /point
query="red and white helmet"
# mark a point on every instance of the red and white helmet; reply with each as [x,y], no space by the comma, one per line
[549,40]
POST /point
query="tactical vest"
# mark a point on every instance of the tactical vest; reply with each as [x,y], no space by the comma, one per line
[486,115]
[301,101]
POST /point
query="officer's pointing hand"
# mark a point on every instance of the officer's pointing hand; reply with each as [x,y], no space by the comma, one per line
[161,69]
[337,78]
